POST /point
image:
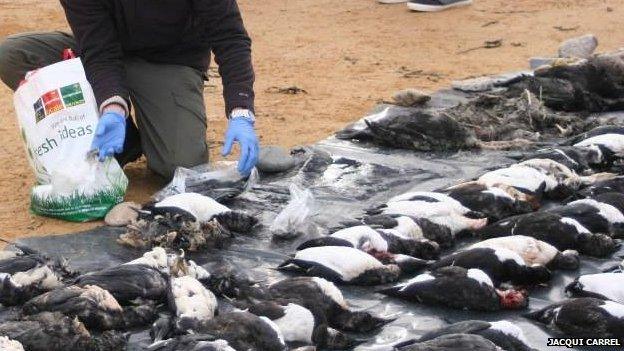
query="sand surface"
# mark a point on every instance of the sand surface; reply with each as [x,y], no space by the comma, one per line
[346,55]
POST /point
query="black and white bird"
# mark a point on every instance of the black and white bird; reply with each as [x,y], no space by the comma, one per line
[94,306]
[413,129]
[189,221]
[500,264]
[578,159]
[318,293]
[128,282]
[26,273]
[611,144]
[366,239]
[524,198]
[452,342]
[174,264]
[245,331]
[442,213]
[523,178]
[534,252]
[430,196]
[504,334]
[568,181]
[20,286]
[145,277]
[404,226]
[49,331]
[301,326]
[401,225]
[458,288]
[329,262]
[564,233]
[191,302]
[584,317]
[606,286]
[494,202]
[206,209]
[431,210]
[295,322]
[596,216]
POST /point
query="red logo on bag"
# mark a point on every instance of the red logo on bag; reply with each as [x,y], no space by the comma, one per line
[52,101]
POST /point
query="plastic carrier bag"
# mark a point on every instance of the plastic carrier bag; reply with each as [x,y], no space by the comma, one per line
[293,220]
[57,115]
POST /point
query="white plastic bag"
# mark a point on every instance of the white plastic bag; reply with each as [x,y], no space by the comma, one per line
[58,114]
[293,220]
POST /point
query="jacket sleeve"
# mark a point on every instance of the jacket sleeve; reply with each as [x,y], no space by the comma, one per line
[232,50]
[97,41]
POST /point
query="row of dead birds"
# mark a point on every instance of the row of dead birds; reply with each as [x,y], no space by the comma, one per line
[528,237]
[555,101]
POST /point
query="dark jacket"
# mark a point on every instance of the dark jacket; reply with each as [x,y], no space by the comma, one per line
[182,32]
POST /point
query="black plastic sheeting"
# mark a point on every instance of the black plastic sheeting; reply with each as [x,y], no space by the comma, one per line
[345,179]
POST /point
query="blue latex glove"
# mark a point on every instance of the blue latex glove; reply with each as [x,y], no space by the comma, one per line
[242,130]
[109,135]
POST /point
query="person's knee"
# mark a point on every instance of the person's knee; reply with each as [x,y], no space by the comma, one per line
[9,57]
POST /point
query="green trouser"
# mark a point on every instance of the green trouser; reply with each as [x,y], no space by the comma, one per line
[167,99]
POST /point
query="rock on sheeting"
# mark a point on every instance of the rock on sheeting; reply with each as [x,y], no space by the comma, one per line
[275,159]
[581,47]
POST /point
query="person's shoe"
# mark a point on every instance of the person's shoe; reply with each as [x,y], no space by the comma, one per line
[391,1]
[435,5]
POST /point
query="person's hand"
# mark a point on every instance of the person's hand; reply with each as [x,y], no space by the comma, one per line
[109,135]
[241,129]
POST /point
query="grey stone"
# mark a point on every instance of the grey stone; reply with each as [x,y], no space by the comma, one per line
[536,62]
[582,47]
[122,214]
[275,159]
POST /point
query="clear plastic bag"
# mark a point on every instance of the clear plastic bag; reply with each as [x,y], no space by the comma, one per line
[294,219]
[220,181]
